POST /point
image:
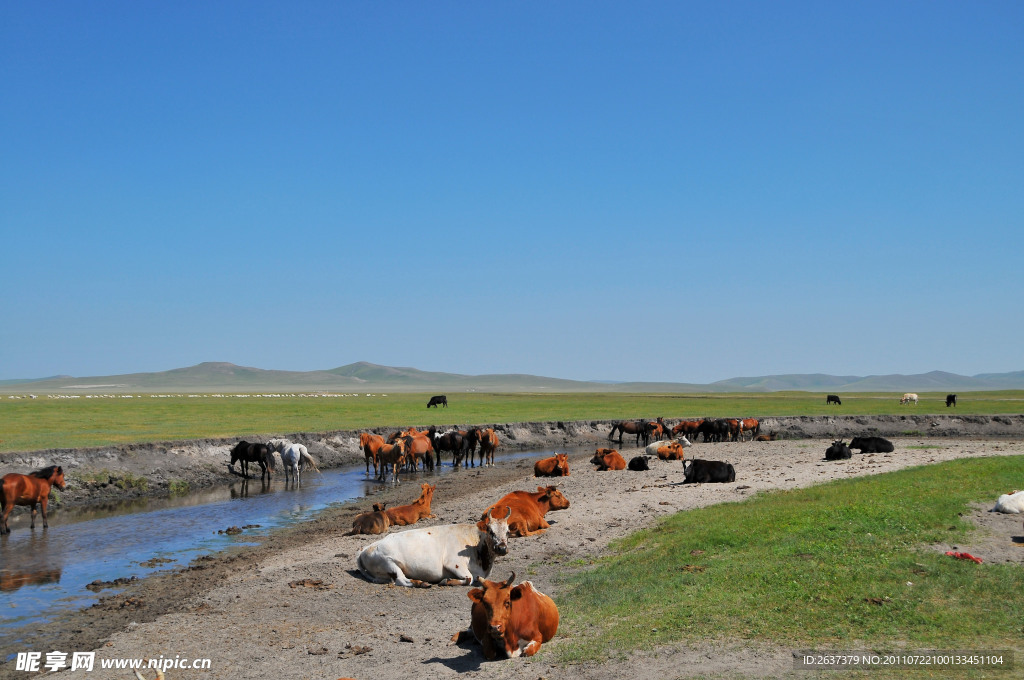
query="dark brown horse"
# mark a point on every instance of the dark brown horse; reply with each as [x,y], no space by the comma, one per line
[252,453]
[627,427]
[32,489]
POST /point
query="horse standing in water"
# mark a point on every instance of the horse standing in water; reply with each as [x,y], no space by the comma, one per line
[31,489]
[252,453]
[294,457]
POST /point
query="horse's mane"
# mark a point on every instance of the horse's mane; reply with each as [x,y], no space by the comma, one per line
[45,473]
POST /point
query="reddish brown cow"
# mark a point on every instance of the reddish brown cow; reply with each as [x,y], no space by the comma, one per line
[673,451]
[556,466]
[415,511]
[503,618]
[488,443]
[371,443]
[528,510]
[608,459]
[376,522]
[770,437]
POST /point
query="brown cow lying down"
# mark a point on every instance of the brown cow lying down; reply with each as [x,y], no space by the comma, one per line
[608,459]
[556,466]
[672,451]
[504,618]
[376,522]
[528,510]
[414,512]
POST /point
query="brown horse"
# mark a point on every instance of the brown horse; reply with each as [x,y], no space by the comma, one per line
[488,443]
[418,448]
[371,443]
[31,489]
[627,427]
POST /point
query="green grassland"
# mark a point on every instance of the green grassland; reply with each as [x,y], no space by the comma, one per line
[43,423]
[823,566]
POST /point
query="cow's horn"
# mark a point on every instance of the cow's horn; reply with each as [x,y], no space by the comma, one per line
[509,513]
[510,580]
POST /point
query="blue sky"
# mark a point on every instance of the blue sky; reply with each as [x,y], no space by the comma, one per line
[628,191]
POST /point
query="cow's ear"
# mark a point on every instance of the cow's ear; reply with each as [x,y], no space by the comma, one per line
[542,489]
[516,592]
[476,595]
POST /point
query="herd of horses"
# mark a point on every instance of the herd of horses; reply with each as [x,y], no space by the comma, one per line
[411,449]
[711,429]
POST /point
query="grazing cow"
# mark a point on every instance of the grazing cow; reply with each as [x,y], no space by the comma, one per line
[436,400]
[514,620]
[555,466]
[872,445]
[402,515]
[488,444]
[909,397]
[950,400]
[688,428]
[833,399]
[838,451]
[704,471]
[1010,503]
[528,510]
[770,437]
[391,457]
[370,444]
[455,554]
[376,522]
[639,463]
[627,427]
[608,459]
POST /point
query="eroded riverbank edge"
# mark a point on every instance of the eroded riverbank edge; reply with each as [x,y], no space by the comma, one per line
[107,474]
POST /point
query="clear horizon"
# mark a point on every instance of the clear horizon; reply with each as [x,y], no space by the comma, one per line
[668,192]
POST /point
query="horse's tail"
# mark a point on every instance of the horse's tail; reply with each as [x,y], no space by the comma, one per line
[270,460]
[308,459]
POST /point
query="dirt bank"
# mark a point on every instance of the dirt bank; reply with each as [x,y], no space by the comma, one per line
[105,474]
[292,606]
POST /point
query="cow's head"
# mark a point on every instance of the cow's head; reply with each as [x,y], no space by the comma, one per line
[562,462]
[379,507]
[553,497]
[495,600]
[427,493]
[497,531]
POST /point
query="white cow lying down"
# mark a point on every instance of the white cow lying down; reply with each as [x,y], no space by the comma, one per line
[456,554]
[1010,503]
[652,449]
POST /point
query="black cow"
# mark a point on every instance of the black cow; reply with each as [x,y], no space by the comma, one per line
[838,451]
[639,463]
[950,400]
[872,445]
[833,399]
[703,471]
[439,399]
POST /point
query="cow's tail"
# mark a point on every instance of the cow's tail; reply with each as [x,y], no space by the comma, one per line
[308,460]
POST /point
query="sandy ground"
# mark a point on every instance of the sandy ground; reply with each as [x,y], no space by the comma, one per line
[243,612]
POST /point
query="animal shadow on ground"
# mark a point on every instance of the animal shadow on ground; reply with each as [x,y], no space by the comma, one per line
[471,661]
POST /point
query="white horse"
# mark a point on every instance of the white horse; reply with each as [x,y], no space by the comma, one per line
[294,457]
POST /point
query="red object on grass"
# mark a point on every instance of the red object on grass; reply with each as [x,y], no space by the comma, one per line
[964,556]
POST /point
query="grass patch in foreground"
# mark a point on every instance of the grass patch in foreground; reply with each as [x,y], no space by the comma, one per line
[825,566]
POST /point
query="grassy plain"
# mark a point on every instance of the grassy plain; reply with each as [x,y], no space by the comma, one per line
[44,423]
[837,566]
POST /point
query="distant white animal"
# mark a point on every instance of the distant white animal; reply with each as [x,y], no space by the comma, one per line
[909,397]
[294,457]
[456,554]
[652,449]
[1011,503]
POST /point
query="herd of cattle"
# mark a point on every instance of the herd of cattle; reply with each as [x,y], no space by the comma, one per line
[905,399]
[508,618]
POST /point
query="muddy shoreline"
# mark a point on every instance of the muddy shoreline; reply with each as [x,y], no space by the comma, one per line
[236,606]
[115,473]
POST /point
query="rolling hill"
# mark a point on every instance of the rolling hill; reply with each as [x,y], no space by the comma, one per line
[364,376]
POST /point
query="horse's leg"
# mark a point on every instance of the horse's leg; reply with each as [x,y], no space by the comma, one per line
[42,506]
[32,524]
[6,510]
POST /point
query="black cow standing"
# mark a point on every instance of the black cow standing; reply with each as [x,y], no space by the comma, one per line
[439,399]
[833,399]
[950,400]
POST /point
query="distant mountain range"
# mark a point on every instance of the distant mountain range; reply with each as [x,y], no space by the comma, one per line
[363,377]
